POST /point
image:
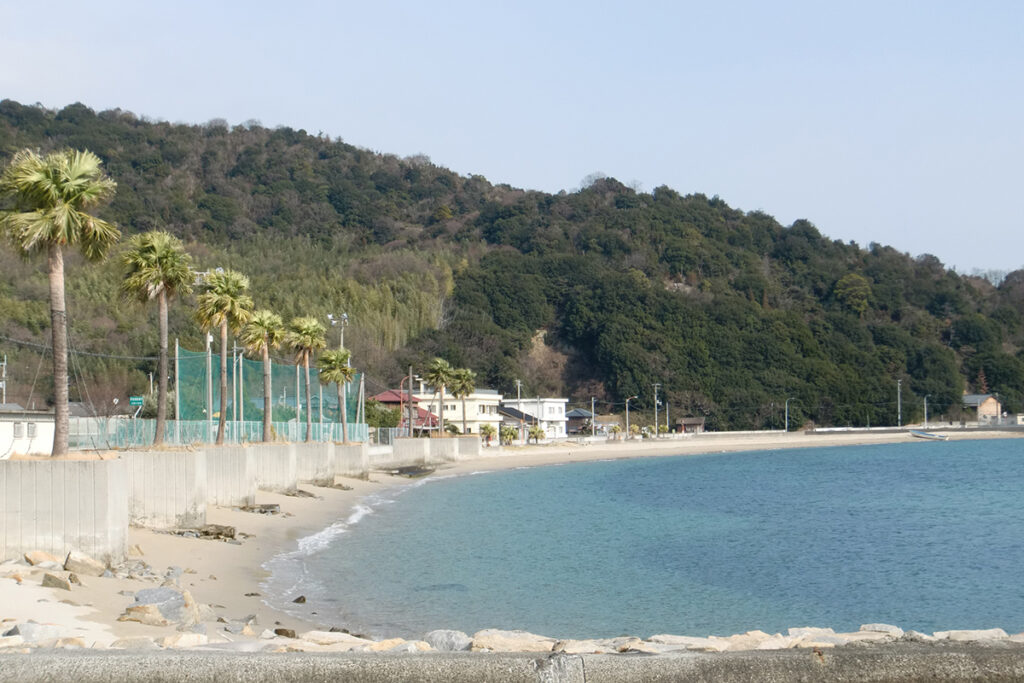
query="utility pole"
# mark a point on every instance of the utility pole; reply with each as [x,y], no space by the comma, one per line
[410,402]
[787,413]
[926,410]
[209,389]
[899,403]
[3,380]
[593,420]
[627,414]
[656,385]
[519,407]
[668,427]
[342,321]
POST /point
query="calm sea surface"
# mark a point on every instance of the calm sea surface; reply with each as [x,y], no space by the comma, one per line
[925,535]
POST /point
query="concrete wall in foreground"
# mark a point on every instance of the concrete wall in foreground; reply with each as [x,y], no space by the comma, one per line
[230,476]
[64,505]
[405,452]
[166,489]
[276,466]
[314,463]
[444,449]
[352,460]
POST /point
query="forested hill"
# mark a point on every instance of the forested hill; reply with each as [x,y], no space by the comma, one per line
[600,292]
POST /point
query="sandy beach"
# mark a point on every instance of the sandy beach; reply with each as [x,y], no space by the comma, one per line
[227,576]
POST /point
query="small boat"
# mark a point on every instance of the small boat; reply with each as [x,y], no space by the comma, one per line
[929,435]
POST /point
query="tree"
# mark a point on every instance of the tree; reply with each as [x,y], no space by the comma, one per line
[487,431]
[334,367]
[536,433]
[439,374]
[50,197]
[615,430]
[223,303]
[305,336]
[265,331]
[508,434]
[854,290]
[158,267]
[463,383]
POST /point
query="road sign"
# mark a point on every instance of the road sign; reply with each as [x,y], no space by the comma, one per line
[135,400]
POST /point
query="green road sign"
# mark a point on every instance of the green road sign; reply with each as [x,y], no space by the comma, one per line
[135,400]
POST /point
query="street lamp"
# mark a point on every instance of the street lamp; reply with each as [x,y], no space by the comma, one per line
[401,400]
[787,412]
[342,320]
[926,410]
[627,414]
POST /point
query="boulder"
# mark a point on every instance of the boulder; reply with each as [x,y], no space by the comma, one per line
[182,640]
[80,563]
[778,642]
[31,632]
[917,637]
[894,631]
[385,645]
[410,647]
[334,638]
[688,643]
[70,643]
[162,607]
[810,632]
[284,632]
[36,557]
[584,647]
[54,581]
[973,635]
[11,641]
[135,643]
[497,640]
[448,641]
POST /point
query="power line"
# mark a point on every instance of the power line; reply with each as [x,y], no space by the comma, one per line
[46,348]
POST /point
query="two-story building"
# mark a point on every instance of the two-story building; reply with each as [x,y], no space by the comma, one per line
[481,408]
[549,413]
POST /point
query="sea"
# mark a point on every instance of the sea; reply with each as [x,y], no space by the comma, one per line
[924,535]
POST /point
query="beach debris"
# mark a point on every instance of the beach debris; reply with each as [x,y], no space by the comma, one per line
[300,600]
[497,640]
[54,581]
[299,493]
[162,606]
[262,508]
[252,595]
[448,641]
[80,563]
[73,578]
[284,632]
[218,531]
[135,551]
[37,557]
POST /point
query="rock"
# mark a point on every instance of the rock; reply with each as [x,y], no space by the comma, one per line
[334,638]
[811,632]
[36,557]
[73,578]
[284,632]
[194,628]
[134,643]
[778,642]
[206,613]
[107,574]
[267,634]
[411,647]
[80,563]
[448,641]
[135,551]
[894,631]
[917,637]
[31,632]
[216,531]
[300,600]
[744,641]
[70,643]
[173,572]
[385,645]
[583,647]
[497,640]
[248,630]
[11,641]
[182,640]
[162,607]
[975,635]
[54,581]
[685,642]
[252,595]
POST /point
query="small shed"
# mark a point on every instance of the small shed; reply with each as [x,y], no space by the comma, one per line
[578,420]
[690,425]
[986,407]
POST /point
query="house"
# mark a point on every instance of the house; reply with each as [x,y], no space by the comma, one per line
[579,421]
[549,413]
[481,407]
[690,425]
[25,432]
[986,407]
[422,420]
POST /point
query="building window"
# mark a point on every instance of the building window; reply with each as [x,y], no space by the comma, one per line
[19,430]
[31,430]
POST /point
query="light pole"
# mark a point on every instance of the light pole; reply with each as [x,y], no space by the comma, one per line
[926,410]
[656,385]
[899,403]
[787,412]
[401,400]
[342,321]
[627,415]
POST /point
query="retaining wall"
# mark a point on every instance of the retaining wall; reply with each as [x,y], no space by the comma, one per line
[230,476]
[352,460]
[64,505]
[166,489]
[444,449]
[404,452]
[276,466]
[470,447]
[314,463]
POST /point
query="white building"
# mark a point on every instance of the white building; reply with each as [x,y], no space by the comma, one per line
[549,413]
[25,432]
[481,408]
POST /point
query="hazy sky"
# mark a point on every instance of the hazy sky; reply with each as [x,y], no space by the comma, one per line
[893,122]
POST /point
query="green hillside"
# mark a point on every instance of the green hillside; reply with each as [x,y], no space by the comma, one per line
[600,292]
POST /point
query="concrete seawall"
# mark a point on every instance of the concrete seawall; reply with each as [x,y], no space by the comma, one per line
[903,662]
[166,489]
[64,505]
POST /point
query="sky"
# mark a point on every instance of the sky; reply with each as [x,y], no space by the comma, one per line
[896,122]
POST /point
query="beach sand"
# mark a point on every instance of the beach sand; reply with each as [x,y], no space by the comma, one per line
[227,576]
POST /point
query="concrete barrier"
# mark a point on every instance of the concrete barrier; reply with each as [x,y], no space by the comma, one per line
[404,453]
[352,460]
[230,476]
[275,466]
[64,505]
[444,449]
[470,447]
[166,489]
[314,463]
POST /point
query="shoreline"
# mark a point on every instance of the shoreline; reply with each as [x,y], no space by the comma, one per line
[229,577]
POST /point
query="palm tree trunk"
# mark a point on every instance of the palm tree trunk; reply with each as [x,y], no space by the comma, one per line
[463,413]
[161,391]
[440,413]
[309,401]
[344,417]
[59,330]
[223,382]
[267,410]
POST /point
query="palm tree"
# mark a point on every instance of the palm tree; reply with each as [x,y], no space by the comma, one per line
[463,383]
[223,303]
[487,431]
[439,374]
[508,434]
[536,433]
[264,332]
[50,196]
[306,335]
[334,367]
[615,430]
[158,267]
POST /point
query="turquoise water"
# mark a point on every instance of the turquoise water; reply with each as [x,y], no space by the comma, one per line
[924,535]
